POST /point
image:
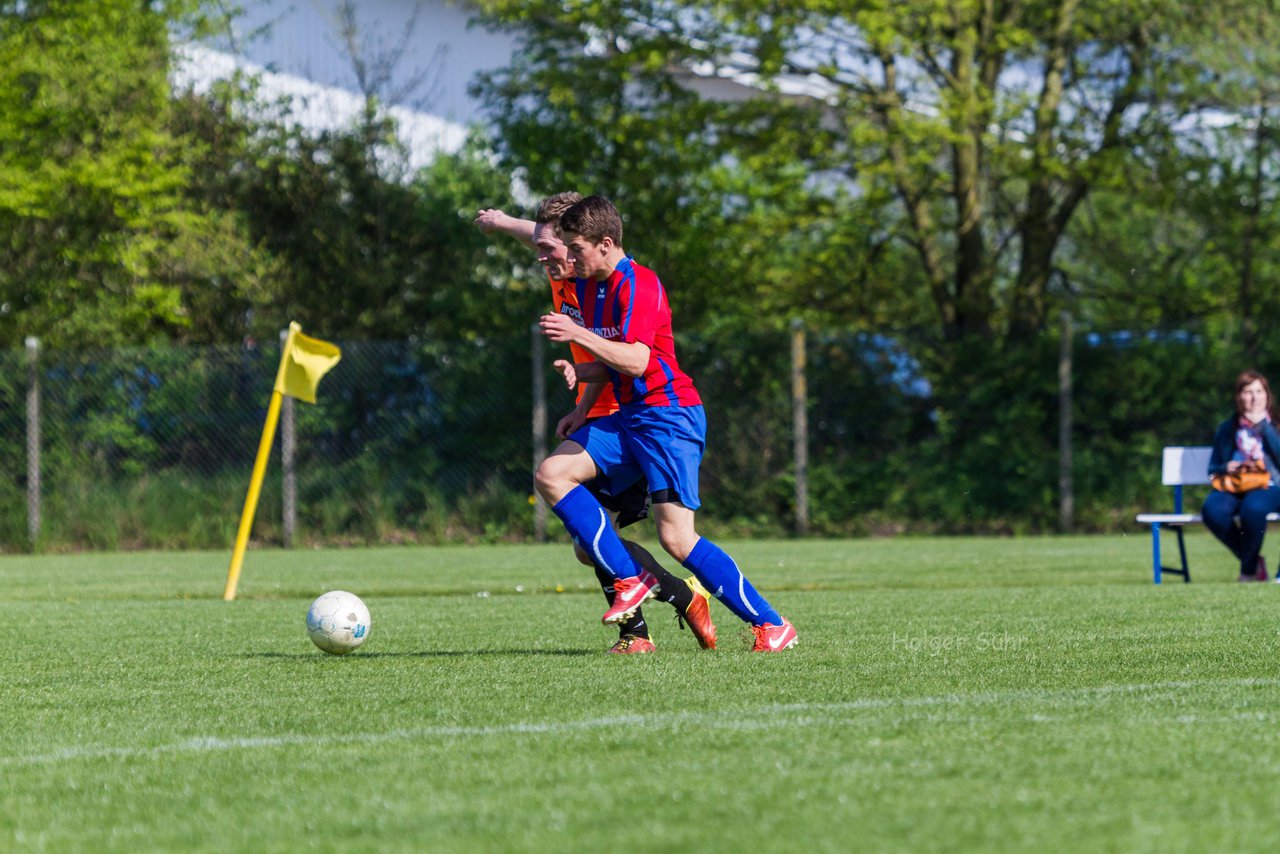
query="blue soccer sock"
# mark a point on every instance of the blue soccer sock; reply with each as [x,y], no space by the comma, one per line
[589,525]
[719,574]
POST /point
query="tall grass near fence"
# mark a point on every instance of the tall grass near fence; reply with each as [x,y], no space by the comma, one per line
[153,447]
[429,441]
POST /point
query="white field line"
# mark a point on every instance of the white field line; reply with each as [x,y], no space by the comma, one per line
[775,716]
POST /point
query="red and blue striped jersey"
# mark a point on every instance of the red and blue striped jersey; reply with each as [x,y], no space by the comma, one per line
[631,306]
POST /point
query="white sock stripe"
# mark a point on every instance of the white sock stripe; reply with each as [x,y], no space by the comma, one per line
[777,716]
[595,544]
[742,588]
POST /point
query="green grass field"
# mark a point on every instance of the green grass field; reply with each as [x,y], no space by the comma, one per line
[946,694]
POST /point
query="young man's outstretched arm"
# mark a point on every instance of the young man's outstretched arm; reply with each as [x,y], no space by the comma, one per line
[490,220]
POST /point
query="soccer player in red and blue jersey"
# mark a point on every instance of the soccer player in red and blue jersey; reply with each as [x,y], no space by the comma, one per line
[658,432]
[628,505]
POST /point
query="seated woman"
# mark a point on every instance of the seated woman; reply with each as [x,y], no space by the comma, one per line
[1247,441]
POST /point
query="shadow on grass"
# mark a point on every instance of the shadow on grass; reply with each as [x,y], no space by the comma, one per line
[435,653]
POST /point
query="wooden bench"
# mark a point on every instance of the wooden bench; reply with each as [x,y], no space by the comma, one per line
[1183,466]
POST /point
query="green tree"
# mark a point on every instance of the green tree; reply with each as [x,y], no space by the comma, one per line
[102,243]
[975,129]
[593,103]
[1189,236]
[359,248]
[946,149]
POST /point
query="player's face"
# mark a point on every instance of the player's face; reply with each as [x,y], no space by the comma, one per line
[552,253]
[589,260]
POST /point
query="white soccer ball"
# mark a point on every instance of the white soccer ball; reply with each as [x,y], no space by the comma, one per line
[338,622]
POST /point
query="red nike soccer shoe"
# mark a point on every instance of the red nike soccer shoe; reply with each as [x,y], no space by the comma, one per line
[771,638]
[629,594]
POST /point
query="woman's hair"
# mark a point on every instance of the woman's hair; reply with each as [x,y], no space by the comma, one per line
[1250,376]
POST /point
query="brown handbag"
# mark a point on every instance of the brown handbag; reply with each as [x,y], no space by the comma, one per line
[1250,476]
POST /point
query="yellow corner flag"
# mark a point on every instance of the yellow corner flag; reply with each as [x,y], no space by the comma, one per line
[303,361]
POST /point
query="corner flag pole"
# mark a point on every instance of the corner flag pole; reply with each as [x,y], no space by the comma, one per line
[259,472]
[303,361]
[251,500]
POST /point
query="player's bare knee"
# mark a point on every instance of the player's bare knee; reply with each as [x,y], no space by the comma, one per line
[678,544]
[550,482]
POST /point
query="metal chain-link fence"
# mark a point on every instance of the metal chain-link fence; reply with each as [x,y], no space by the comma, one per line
[421,441]
[154,447]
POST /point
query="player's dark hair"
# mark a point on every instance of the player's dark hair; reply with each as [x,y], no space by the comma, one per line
[553,206]
[594,218]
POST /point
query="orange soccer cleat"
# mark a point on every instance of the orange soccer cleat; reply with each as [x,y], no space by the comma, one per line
[631,645]
[698,615]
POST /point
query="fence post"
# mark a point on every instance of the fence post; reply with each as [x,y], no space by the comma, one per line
[289,485]
[1066,485]
[33,440]
[539,429]
[800,424]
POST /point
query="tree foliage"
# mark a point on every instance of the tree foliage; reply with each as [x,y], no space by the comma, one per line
[102,246]
[972,130]
[1191,237]
[356,253]
[594,103]
[926,182]
[949,172]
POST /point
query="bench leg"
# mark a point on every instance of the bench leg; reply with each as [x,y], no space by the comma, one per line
[1155,552]
[1158,569]
[1157,566]
[1182,551]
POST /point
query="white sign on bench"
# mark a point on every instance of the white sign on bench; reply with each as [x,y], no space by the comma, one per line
[1182,466]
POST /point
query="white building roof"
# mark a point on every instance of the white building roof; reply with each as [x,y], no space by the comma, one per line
[318,107]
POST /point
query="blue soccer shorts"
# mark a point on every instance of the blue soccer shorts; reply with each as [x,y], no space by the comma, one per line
[662,444]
